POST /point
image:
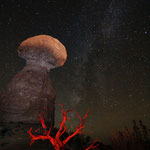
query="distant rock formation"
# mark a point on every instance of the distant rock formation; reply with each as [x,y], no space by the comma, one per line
[30,92]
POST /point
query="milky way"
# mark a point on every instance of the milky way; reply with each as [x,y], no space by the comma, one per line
[107,69]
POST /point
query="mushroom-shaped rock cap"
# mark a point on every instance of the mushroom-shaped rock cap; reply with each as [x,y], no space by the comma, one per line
[44,50]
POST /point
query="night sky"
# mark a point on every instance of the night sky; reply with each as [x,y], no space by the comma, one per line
[108,64]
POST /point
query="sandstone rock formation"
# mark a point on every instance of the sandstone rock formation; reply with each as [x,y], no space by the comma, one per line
[30,92]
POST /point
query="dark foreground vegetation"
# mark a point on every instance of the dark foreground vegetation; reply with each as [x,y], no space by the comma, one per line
[137,138]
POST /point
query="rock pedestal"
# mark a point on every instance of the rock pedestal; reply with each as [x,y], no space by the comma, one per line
[29,94]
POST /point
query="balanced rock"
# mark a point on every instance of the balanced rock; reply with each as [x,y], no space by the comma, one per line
[30,93]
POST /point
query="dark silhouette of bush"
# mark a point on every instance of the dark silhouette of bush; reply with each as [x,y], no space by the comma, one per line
[136,139]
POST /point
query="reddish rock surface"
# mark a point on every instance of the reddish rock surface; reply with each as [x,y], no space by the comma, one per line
[29,93]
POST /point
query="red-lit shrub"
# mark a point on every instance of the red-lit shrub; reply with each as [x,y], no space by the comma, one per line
[56,142]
